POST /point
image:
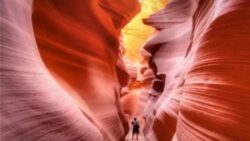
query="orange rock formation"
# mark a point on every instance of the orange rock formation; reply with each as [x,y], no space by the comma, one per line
[63,75]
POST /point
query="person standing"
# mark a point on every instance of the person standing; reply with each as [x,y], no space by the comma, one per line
[136,128]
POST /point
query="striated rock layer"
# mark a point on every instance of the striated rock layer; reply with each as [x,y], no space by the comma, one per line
[203,49]
[60,82]
[62,71]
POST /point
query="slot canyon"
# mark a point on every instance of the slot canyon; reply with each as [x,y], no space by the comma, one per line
[82,70]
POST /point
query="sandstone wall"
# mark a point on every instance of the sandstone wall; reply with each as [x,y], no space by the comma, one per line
[58,69]
[203,49]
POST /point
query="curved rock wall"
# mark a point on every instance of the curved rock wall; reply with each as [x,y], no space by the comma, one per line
[216,91]
[202,48]
[60,83]
[168,48]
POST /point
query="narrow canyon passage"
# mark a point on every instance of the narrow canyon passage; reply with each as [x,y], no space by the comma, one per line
[83,70]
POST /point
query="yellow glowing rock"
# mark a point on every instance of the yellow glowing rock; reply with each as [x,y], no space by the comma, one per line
[136,33]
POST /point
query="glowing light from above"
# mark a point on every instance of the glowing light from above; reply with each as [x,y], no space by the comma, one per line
[136,33]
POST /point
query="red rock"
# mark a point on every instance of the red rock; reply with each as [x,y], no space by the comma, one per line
[206,95]
[71,91]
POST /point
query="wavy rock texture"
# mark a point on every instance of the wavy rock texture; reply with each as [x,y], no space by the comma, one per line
[202,48]
[135,94]
[59,83]
[135,33]
[216,91]
[62,71]
[167,49]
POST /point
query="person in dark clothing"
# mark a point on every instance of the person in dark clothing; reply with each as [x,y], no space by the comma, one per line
[136,128]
